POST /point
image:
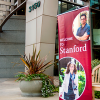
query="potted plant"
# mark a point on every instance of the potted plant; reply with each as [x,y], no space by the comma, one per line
[33,82]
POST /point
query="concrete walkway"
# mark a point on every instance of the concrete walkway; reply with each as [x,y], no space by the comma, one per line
[9,90]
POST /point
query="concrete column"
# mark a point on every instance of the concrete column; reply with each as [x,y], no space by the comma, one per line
[41,29]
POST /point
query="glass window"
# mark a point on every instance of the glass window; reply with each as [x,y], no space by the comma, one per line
[65,7]
[95,4]
[59,7]
[21,11]
[79,2]
[56,57]
[95,26]
[56,65]
[76,1]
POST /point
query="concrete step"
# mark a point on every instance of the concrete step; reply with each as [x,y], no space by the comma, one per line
[12,40]
[12,36]
[15,23]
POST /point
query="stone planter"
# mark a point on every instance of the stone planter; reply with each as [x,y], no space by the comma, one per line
[31,88]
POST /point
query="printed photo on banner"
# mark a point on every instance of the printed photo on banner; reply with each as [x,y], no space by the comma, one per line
[81,26]
[72,79]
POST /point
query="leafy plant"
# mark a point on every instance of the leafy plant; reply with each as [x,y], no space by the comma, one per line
[97,94]
[35,66]
[47,88]
[81,81]
[56,89]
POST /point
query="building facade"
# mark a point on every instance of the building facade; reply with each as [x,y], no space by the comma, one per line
[41,27]
[45,20]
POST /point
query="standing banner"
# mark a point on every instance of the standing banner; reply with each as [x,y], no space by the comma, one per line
[75,55]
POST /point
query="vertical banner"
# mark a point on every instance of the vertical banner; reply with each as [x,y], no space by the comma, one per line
[75,55]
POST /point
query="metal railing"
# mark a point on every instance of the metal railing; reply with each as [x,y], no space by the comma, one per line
[8,8]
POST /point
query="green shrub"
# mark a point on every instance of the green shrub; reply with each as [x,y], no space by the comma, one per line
[97,94]
[56,89]
[81,81]
[94,63]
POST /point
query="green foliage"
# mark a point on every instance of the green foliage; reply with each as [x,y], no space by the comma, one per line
[81,81]
[47,88]
[63,70]
[94,63]
[60,78]
[56,89]
[28,77]
[97,94]
[35,66]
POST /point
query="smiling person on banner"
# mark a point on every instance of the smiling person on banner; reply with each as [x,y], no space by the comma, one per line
[70,83]
[83,31]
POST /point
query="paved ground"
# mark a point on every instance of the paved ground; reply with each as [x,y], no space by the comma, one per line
[9,90]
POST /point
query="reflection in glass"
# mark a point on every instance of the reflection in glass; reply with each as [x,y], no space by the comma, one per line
[95,4]
[95,21]
[59,7]
[95,27]
[79,2]
[76,1]
[65,7]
